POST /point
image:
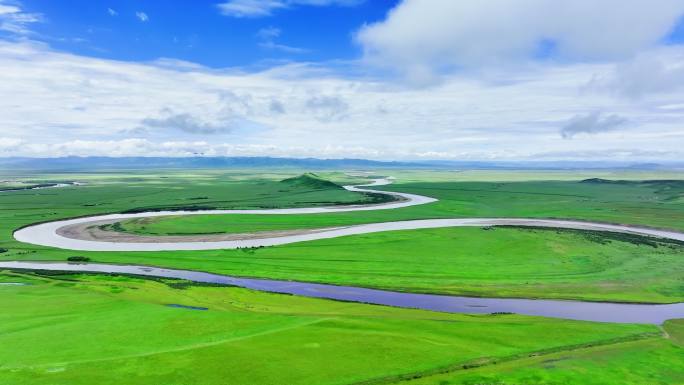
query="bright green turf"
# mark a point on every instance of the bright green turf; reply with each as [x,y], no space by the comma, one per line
[113,330]
[456,261]
[675,330]
[650,361]
[121,192]
[645,362]
[106,330]
[503,262]
[656,204]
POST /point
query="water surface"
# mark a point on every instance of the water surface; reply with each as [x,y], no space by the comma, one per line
[574,310]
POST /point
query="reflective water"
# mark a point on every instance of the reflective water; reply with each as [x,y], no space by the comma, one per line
[576,310]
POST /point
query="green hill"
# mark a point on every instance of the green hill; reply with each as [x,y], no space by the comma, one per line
[311,181]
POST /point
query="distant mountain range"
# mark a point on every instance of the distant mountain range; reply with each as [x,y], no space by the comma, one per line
[125,163]
[79,163]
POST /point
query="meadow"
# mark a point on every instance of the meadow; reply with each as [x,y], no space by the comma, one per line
[85,329]
[504,262]
[649,203]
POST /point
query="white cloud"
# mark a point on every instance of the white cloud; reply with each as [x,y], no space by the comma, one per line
[268,36]
[112,12]
[651,73]
[269,33]
[250,8]
[591,123]
[262,8]
[55,103]
[423,38]
[327,108]
[15,20]
[6,9]
[142,16]
[191,124]
[269,44]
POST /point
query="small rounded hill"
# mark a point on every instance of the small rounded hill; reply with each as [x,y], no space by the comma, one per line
[311,181]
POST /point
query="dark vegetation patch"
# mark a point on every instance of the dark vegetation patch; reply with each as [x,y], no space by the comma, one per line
[605,237]
[3,250]
[182,284]
[312,181]
[376,198]
[78,258]
[35,185]
[170,208]
[72,276]
[186,306]
[488,361]
[672,188]
[116,226]
[54,275]
[649,182]
[606,181]
[29,187]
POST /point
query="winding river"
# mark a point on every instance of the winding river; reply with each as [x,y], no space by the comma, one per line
[49,234]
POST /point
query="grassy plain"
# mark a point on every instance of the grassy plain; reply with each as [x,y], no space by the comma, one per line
[644,362]
[648,361]
[468,261]
[504,262]
[79,329]
[648,203]
[76,329]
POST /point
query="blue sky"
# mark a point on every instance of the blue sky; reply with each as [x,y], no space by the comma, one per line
[197,31]
[380,79]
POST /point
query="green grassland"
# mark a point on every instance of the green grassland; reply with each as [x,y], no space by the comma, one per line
[504,262]
[518,263]
[644,362]
[648,203]
[649,361]
[100,329]
[170,191]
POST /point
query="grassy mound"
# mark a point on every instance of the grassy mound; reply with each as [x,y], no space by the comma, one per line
[311,181]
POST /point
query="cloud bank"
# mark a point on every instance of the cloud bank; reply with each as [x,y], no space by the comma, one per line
[600,78]
[422,38]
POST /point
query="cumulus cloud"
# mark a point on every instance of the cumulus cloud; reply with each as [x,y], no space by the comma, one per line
[591,123]
[422,38]
[654,72]
[54,103]
[112,12]
[261,8]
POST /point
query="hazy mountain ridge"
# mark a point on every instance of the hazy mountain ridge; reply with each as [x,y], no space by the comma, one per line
[113,163]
